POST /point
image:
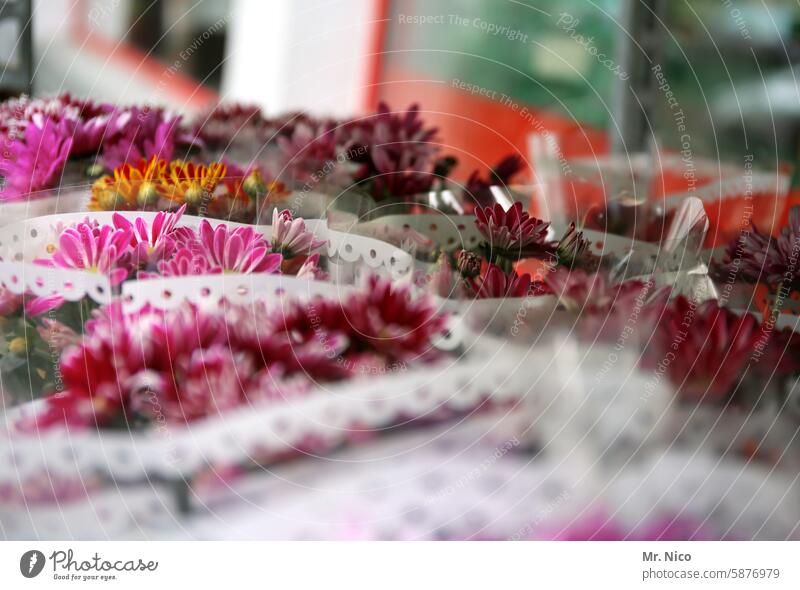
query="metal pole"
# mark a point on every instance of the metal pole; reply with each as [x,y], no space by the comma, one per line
[18,79]
[638,50]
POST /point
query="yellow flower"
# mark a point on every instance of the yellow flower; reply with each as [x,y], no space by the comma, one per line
[18,346]
[190,183]
[131,187]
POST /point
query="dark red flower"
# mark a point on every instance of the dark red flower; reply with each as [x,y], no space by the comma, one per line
[400,152]
[512,234]
[757,257]
[468,264]
[477,188]
[704,349]
[228,124]
[494,283]
[573,250]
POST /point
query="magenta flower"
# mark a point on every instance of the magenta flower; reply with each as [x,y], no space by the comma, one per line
[607,309]
[91,249]
[39,305]
[36,161]
[290,236]
[307,146]
[186,263]
[387,318]
[494,283]
[512,234]
[201,382]
[141,133]
[402,152]
[592,293]
[99,377]
[186,363]
[150,243]
[241,250]
[573,250]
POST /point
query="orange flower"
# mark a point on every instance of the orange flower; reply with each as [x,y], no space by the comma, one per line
[189,183]
[131,187]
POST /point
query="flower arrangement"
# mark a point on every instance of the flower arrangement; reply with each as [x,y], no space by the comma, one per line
[388,155]
[43,135]
[510,237]
[35,330]
[126,249]
[185,364]
[214,189]
[209,163]
[755,257]
[136,248]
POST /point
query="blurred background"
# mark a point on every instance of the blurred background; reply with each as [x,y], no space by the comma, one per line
[488,73]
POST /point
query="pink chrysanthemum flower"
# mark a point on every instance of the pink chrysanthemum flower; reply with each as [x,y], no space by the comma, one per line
[229,124]
[150,242]
[39,305]
[292,338]
[393,322]
[140,134]
[494,283]
[290,236]
[36,161]
[202,382]
[241,250]
[512,234]
[307,145]
[607,309]
[99,378]
[583,292]
[86,123]
[91,249]
[186,263]
[187,363]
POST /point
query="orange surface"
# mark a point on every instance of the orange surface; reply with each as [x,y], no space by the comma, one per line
[478,130]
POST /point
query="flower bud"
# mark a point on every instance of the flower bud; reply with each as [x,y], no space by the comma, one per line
[468,264]
[254,185]
[194,196]
[94,171]
[18,346]
[147,195]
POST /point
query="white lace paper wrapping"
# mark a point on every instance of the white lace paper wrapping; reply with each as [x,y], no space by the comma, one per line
[23,242]
[327,414]
[462,480]
[22,277]
[207,291]
[453,232]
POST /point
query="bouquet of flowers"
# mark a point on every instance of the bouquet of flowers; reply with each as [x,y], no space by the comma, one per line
[134,249]
[187,363]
